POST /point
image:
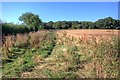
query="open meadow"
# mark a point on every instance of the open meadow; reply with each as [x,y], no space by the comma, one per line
[80,53]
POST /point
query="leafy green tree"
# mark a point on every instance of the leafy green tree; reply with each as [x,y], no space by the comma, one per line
[57,25]
[10,28]
[64,25]
[31,20]
[75,25]
[49,25]
[42,26]
[117,24]
[84,25]
[107,23]
[69,25]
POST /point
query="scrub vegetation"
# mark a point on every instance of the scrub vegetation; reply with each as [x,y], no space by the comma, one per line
[63,49]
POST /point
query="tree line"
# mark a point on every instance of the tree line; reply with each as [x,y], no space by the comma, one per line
[32,22]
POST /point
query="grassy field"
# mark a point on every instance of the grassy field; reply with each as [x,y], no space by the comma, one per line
[61,54]
[0,72]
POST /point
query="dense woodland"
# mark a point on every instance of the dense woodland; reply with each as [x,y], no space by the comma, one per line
[32,22]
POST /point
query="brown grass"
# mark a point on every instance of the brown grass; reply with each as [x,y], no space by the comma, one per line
[87,35]
[21,39]
[36,38]
[93,38]
[88,41]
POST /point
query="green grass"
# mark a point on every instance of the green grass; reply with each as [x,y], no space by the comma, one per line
[0,72]
[21,60]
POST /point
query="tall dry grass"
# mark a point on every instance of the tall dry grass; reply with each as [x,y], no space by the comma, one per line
[8,41]
[36,38]
[21,40]
[29,40]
